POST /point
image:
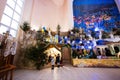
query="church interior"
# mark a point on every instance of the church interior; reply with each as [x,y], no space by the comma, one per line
[59,39]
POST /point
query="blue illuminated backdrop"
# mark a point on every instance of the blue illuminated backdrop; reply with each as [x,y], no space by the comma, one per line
[95,15]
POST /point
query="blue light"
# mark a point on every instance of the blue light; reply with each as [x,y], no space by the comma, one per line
[88,41]
[90,47]
[96,29]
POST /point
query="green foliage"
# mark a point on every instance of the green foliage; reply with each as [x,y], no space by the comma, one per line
[66,45]
[105,35]
[58,29]
[74,54]
[37,55]
[75,30]
[41,36]
[117,31]
[25,27]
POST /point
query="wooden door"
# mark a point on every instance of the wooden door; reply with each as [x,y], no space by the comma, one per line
[66,54]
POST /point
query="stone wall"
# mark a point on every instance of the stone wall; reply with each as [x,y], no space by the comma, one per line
[96,63]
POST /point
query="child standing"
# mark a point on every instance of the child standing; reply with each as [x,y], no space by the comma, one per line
[52,62]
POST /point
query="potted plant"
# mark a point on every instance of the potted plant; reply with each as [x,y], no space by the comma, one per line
[25,27]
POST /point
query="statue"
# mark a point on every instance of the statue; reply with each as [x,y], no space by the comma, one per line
[100,34]
[111,35]
[49,33]
[4,41]
[7,44]
[13,47]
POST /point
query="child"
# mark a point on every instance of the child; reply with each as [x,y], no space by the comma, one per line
[52,62]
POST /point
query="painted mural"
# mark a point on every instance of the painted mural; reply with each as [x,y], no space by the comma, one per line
[96,15]
[97,19]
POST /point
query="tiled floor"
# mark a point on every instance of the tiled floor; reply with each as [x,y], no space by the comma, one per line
[69,73]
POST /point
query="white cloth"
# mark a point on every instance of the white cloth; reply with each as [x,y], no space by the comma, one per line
[13,48]
[94,43]
[8,46]
[118,54]
[52,61]
[6,53]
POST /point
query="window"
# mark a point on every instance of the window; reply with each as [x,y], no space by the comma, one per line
[14,25]
[13,32]
[18,9]
[8,10]
[6,20]
[16,16]
[11,3]
[3,29]
[11,16]
[20,2]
